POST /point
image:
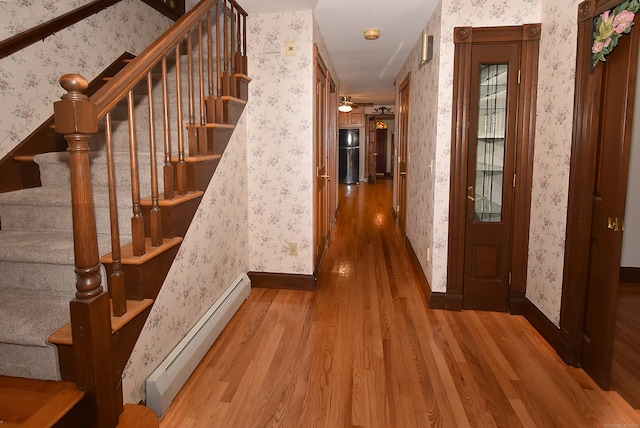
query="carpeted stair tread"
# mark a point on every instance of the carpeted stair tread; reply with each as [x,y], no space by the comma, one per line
[41,247]
[30,318]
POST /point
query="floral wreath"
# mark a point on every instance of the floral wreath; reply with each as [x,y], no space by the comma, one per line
[610,26]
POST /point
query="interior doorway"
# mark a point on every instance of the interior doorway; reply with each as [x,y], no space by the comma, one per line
[597,219]
[403,155]
[495,82]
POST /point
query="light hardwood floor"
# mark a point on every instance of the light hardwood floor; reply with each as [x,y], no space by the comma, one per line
[364,350]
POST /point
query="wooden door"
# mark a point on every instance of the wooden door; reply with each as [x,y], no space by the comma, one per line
[617,86]
[321,195]
[381,150]
[403,154]
[372,149]
[490,176]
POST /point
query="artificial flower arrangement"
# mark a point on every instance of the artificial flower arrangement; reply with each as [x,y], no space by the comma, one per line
[610,26]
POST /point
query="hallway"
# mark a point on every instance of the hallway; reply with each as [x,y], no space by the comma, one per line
[364,350]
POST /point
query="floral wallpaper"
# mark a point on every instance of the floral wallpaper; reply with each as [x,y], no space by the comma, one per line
[554,125]
[213,253]
[280,143]
[429,191]
[431,93]
[29,78]
[423,133]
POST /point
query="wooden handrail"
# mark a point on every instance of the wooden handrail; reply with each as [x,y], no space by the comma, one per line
[42,31]
[108,96]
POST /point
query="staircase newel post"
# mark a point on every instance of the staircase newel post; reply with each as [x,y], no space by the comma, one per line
[75,117]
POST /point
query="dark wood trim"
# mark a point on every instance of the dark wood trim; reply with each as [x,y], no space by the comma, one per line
[42,31]
[460,136]
[171,13]
[548,330]
[630,275]
[21,174]
[287,281]
[465,38]
[528,92]
[447,301]
[435,300]
[586,127]
[415,263]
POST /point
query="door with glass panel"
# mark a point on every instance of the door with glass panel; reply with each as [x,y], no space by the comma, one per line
[490,176]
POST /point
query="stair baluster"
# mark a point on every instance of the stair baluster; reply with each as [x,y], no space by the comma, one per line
[181,166]
[202,129]
[219,107]
[116,279]
[193,144]
[155,217]
[137,221]
[169,169]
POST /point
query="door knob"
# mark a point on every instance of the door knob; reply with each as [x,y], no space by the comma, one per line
[471,193]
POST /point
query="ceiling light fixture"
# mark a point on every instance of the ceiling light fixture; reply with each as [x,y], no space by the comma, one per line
[371,33]
[345,105]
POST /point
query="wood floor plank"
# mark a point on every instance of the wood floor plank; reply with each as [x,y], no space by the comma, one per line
[364,350]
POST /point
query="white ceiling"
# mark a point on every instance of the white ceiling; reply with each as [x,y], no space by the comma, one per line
[366,69]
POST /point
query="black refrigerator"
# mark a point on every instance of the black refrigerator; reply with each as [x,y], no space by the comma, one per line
[349,156]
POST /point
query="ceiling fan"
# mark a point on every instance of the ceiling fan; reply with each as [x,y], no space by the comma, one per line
[345,105]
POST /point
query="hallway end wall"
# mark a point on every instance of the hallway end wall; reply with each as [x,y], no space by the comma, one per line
[280,143]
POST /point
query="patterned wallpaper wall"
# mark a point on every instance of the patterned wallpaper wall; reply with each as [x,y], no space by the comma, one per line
[280,143]
[29,79]
[213,254]
[552,155]
[429,192]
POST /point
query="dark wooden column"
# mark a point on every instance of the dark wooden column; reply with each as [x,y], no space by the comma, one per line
[75,117]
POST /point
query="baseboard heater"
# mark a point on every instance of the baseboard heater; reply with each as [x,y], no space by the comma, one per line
[167,380]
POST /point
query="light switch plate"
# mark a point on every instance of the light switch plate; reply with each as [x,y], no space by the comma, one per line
[291,48]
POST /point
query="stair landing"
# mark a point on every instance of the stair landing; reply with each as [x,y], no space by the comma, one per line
[35,403]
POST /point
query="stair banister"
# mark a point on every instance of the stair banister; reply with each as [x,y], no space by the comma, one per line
[108,96]
[75,117]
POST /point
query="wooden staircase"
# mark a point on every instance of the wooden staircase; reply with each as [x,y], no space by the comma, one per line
[196,120]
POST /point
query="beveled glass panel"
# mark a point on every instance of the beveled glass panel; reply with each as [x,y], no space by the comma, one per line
[492,114]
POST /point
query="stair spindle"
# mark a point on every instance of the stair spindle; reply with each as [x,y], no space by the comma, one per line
[237,61]
[116,279]
[169,170]
[202,129]
[226,83]
[192,137]
[245,68]
[155,216]
[210,115]
[181,167]
[232,68]
[137,221]
[218,109]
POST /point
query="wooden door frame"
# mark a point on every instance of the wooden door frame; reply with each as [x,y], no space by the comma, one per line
[321,128]
[464,39]
[401,217]
[332,134]
[581,183]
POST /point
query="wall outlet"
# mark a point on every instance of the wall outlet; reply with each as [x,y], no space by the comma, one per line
[293,248]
